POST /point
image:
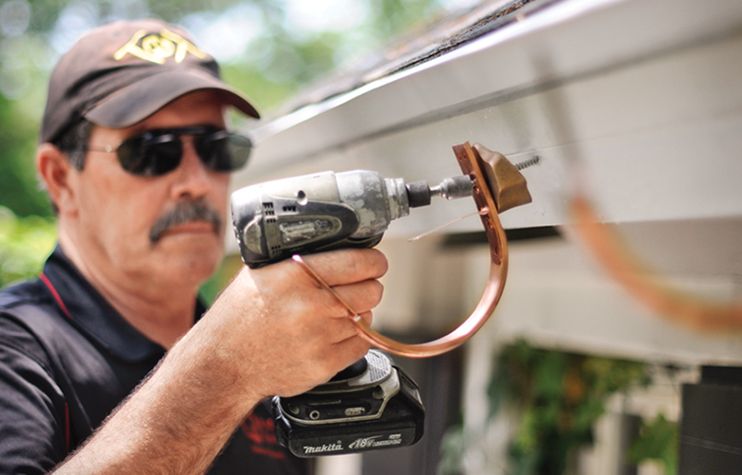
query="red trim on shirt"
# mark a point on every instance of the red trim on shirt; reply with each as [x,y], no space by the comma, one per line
[67,428]
[256,449]
[55,294]
[261,432]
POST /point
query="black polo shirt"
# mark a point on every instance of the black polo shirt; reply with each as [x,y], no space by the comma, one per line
[67,359]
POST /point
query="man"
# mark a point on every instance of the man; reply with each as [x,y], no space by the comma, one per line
[136,157]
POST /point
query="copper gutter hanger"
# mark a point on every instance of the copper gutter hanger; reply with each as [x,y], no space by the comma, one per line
[498,186]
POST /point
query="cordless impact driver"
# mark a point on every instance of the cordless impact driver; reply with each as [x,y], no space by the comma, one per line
[371,404]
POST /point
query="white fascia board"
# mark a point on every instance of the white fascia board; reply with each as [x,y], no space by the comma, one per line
[565,40]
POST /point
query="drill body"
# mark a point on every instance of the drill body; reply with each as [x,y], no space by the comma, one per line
[324,211]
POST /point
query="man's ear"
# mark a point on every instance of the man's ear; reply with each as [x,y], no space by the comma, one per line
[56,172]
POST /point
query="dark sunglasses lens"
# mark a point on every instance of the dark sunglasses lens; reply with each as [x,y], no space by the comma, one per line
[150,157]
[224,151]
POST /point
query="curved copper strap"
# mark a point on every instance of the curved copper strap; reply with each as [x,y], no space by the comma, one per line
[624,266]
[472,164]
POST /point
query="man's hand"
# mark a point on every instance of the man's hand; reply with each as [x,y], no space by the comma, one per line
[272,331]
[289,334]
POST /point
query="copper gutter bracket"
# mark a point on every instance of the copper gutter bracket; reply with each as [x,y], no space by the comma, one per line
[497,185]
[507,183]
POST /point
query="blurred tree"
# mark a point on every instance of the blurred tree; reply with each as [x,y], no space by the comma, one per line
[17,176]
[658,442]
[24,245]
[558,397]
[390,17]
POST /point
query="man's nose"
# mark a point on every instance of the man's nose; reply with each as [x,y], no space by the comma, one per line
[192,177]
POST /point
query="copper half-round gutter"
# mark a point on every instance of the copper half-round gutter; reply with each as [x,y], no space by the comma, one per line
[616,257]
[497,186]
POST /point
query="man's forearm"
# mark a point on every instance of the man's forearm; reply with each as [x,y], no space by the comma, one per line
[177,421]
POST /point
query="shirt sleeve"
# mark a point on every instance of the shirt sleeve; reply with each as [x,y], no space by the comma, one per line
[33,418]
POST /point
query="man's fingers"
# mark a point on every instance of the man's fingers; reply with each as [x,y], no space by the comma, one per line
[346,266]
[341,330]
[352,349]
[361,297]
[288,309]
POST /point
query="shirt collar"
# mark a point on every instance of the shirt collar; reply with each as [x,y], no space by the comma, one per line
[86,309]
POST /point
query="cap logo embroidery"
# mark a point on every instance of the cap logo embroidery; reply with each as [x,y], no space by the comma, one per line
[159,47]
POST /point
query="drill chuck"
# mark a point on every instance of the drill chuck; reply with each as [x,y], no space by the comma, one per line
[419,193]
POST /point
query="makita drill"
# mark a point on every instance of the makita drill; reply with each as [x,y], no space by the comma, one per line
[371,404]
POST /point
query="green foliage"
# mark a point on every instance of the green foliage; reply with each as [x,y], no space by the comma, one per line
[453,444]
[17,176]
[657,442]
[226,272]
[24,245]
[392,16]
[559,397]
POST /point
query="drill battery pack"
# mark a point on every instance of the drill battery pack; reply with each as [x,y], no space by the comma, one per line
[369,406]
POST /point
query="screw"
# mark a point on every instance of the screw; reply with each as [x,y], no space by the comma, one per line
[528,163]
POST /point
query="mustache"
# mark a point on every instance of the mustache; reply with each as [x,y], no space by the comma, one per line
[185,212]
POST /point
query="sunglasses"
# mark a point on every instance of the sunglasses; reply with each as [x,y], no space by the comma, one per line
[160,151]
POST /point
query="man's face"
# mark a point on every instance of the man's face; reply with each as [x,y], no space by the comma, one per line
[118,211]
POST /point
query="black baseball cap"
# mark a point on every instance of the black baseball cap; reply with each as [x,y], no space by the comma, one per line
[123,72]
